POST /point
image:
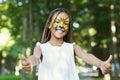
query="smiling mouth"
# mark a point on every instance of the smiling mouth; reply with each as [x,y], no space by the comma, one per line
[60,28]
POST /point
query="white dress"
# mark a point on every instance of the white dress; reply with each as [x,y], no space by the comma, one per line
[57,63]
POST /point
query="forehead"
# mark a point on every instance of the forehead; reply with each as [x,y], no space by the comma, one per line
[61,15]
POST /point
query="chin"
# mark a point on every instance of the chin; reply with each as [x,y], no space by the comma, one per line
[59,37]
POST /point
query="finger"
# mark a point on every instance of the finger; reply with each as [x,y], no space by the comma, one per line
[24,67]
[24,63]
[103,68]
[24,60]
[106,71]
[108,66]
[109,59]
[28,68]
[23,57]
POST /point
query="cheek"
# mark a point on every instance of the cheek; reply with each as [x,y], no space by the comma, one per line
[66,27]
[52,28]
[66,32]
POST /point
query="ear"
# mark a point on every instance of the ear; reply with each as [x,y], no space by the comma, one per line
[49,27]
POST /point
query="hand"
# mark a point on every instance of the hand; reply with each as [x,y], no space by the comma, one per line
[106,65]
[26,64]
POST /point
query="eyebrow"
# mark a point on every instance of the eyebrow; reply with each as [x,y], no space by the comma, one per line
[63,18]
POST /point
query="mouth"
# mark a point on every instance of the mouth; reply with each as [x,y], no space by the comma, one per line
[60,28]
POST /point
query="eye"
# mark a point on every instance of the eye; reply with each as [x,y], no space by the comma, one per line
[57,21]
[66,23]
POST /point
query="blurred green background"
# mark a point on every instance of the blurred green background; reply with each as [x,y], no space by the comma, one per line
[96,28]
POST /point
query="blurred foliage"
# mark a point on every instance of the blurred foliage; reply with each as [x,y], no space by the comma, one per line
[13,77]
[22,23]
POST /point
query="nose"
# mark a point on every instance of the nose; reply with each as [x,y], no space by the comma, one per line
[61,27]
[61,23]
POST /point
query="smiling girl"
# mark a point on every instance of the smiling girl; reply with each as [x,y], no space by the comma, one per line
[55,53]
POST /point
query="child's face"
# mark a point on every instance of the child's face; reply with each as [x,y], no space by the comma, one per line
[60,24]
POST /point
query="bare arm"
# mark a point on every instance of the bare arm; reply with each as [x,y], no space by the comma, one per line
[105,66]
[28,63]
[35,58]
[89,58]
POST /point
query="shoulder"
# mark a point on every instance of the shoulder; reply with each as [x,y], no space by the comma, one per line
[39,46]
[76,47]
[67,43]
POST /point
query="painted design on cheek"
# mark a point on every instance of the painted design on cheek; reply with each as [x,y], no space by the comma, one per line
[61,24]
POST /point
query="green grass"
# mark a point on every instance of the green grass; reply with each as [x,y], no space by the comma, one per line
[12,77]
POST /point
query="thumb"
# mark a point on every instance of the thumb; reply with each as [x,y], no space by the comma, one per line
[23,57]
[24,60]
[109,59]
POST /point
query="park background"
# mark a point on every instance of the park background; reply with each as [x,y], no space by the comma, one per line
[96,28]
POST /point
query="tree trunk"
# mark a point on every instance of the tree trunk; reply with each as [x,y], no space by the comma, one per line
[31,36]
[24,23]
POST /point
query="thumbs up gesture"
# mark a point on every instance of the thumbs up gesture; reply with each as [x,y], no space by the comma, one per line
[26,64]
[106,65]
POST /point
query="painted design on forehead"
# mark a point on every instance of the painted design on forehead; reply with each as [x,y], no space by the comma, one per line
[62,22]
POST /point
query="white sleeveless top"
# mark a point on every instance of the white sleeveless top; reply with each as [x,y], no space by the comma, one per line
[57,63]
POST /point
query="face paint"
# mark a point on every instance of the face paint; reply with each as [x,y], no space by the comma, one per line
[60,28]
[61,24]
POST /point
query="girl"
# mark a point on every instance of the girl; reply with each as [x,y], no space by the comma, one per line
[56,51]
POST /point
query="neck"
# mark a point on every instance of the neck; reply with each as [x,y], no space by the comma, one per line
[56,42]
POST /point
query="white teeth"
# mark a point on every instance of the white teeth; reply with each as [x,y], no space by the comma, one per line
[59,31]
[60,28]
